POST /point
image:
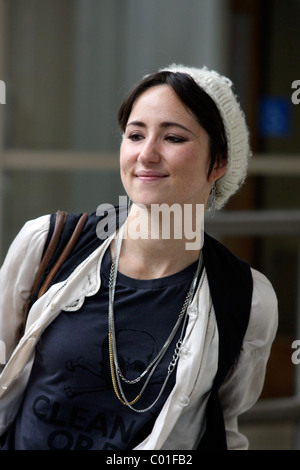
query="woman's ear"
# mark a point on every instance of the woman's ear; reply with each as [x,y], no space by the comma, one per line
[218,170]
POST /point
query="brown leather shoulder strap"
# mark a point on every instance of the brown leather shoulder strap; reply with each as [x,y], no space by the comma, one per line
[55,238]
[64,255]
[58,228]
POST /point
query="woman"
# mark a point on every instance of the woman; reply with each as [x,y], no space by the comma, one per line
[144,341]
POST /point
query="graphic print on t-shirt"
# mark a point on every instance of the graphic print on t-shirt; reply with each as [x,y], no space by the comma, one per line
[132,362]
[88,414]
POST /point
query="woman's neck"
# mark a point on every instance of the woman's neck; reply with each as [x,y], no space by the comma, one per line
[156,243]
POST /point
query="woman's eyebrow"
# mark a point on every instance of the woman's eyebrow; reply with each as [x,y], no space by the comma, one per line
[175,124]
[163,124]
[136,123]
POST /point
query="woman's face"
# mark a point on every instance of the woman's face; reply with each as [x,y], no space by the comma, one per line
[164,154]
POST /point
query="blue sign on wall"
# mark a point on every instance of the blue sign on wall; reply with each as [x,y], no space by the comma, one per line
[275,117]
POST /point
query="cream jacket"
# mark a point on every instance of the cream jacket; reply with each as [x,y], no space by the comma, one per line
[181,421]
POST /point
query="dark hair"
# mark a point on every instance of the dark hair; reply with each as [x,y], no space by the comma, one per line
[193,97]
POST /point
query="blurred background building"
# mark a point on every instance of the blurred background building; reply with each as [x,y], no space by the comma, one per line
[67,65]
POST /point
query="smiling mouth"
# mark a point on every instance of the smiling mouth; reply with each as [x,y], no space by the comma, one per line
[150,175]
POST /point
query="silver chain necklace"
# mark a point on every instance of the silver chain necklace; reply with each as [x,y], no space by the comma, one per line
[116,373]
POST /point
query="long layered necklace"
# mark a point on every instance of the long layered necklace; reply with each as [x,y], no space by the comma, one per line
[116,373]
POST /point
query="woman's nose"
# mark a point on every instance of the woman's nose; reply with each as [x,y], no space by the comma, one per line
[149,152]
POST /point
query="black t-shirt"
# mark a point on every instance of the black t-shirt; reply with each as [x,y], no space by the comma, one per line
[69,402]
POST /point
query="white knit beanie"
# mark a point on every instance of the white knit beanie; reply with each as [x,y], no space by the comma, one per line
[219,89]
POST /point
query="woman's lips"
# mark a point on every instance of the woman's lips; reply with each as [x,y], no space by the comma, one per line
[150,175]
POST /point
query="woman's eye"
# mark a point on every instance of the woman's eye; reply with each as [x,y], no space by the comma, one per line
[135,137]
[175,139]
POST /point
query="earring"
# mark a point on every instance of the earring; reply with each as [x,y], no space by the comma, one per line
[211,200]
